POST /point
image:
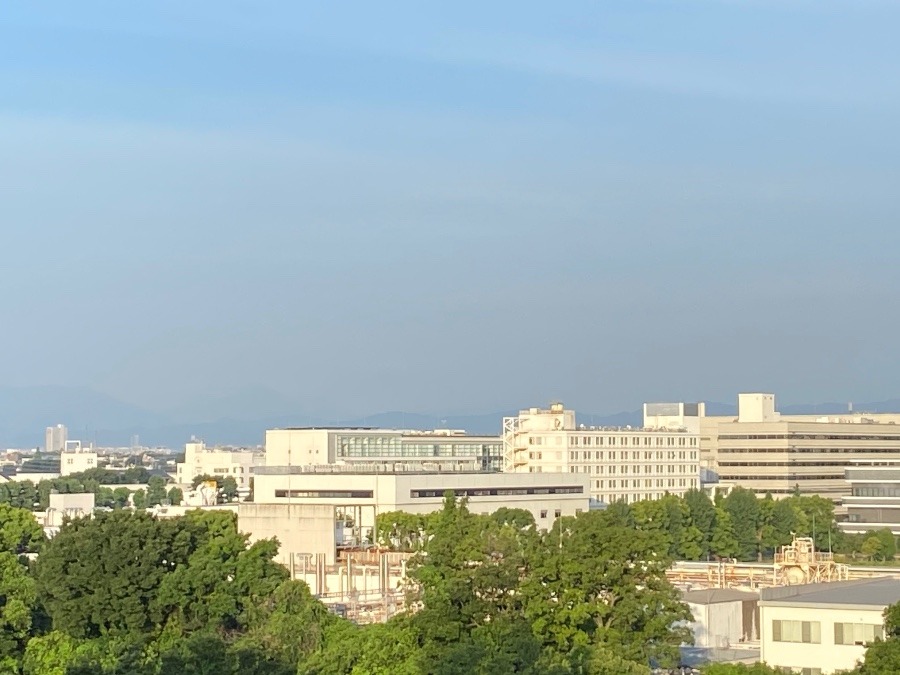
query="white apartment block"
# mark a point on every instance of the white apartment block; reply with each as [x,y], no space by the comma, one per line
[217,462]
[620,463]
[819,629]
[76,459]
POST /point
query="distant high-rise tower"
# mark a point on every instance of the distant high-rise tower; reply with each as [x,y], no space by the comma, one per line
[55,438]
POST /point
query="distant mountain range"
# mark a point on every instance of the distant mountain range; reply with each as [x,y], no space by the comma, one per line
[242,419]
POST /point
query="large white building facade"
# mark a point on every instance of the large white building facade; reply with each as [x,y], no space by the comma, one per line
[309,507]
[620,463]
[217,462]
[325,445]
[766,452]
[76,459]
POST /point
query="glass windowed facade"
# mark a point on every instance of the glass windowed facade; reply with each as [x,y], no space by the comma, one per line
[486,452]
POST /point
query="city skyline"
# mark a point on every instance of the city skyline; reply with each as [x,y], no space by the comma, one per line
[362,211]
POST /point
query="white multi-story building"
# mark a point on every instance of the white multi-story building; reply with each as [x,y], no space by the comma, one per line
[217,462]
[763,451]
[55,438]
[627,464]
[293,502]
[333,445]
[76,459]
[819,629]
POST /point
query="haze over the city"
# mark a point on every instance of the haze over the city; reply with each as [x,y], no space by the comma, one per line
[367,207]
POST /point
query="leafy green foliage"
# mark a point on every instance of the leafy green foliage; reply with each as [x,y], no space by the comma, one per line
[19,531]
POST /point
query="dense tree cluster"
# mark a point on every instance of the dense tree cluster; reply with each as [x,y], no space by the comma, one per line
[25,494]
[496,595]
[744,526]
[124,592]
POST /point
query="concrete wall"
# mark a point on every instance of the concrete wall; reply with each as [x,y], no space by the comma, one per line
[299,447]
[76,462]
[299,528]
[200,460]
[718,625]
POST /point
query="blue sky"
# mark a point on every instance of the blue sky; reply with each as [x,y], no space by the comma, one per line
[380,206]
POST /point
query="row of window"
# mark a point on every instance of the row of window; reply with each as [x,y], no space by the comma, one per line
[621,441]
[648,482]
[499,491]
[587,455]
[324,494]
[625,469]
[623,456]
[628,498]
[791,463]
[818,451]
[783,476]
[876,491]
[812,437]
[811,632]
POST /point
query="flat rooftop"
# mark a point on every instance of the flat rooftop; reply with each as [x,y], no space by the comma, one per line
[713,596]
[370,469]
[415,433]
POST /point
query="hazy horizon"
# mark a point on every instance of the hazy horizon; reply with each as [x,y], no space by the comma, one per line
[369,208]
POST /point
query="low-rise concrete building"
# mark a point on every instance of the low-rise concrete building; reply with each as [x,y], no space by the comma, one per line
[338,445]
[819,629]
[62,507]
[723,617]
[200,460]
[76,459]
[292,501]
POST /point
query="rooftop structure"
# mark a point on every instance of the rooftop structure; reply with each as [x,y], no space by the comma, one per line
[332,445]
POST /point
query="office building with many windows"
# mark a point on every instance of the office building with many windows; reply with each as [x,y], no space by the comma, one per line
[761,451]
[874,499]
[621,463]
